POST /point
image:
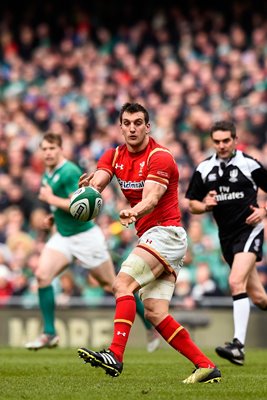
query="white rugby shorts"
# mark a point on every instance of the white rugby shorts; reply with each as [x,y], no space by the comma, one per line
[169,242]
[88,247]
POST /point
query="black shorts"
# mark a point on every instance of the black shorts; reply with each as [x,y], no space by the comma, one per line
[249,240]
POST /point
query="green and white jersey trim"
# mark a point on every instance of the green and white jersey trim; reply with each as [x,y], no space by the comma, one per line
[63,181]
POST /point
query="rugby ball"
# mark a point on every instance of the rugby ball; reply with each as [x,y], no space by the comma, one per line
[85,203]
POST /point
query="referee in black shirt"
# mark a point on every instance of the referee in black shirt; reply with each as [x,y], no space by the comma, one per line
[227,185]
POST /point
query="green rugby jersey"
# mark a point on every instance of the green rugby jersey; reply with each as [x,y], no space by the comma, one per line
[64,181]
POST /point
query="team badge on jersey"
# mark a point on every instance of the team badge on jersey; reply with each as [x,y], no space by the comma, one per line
[233,176]
[142,164]
[56,178]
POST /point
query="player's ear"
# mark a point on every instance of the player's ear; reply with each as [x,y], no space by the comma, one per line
[148,126]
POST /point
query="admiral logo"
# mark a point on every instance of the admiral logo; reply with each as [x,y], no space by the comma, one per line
[131,184]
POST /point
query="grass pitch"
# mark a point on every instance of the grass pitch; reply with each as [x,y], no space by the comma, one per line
[59,374]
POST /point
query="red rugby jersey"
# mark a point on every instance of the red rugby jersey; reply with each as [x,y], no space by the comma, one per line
[155,163]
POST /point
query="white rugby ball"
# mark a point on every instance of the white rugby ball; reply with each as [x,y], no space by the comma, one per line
[85,203]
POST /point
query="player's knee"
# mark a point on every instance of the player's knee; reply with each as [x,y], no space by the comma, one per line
[122,286]
[116,286]
[105,283]
[155,314]
[42,277]
[108,288]
[236,285]
[149,314]
[152,314]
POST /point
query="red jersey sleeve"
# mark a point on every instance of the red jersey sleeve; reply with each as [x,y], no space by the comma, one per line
[106,161]
[160,166]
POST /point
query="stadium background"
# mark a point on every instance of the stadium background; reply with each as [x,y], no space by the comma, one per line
[69,69]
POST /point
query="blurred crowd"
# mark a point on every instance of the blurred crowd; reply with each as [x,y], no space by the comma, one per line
[72,76]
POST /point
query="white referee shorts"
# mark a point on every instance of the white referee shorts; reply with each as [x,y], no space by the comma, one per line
[168,244]
[88,247]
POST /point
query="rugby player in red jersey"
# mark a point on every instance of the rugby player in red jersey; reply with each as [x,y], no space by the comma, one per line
[148,177]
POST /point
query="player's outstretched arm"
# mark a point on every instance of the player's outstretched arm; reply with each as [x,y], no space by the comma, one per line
[98,180]
[152,193]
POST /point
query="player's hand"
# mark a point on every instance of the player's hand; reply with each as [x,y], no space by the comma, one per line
[127,217]
[85,179]
[46,194]
[210,200]
[257,215]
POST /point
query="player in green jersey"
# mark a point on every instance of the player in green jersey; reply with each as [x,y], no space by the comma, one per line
[70,239]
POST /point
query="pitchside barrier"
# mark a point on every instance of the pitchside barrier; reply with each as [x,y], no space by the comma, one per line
[210,325]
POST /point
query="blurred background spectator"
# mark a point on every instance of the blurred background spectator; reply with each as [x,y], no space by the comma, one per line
[69,69]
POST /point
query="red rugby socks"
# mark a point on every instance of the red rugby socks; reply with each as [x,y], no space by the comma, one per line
[123,321]
[178,337]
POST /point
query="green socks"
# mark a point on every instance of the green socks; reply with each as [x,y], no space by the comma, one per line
[47,306]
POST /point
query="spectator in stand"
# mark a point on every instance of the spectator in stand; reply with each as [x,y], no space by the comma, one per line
[69,290]
[205,285]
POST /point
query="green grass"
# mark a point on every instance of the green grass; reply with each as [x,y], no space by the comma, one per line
[60,374]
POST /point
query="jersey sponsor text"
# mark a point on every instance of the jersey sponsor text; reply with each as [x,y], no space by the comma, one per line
[131,184]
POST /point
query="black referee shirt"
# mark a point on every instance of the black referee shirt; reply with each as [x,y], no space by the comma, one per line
[236,184]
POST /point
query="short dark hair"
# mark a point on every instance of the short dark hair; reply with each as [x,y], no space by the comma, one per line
[51,137]
[224,126]
[132,108]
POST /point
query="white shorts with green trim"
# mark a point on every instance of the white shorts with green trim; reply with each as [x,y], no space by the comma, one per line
[88,247]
